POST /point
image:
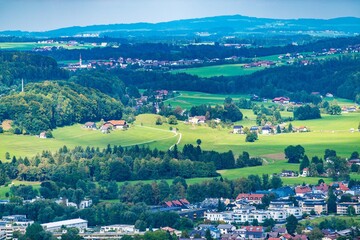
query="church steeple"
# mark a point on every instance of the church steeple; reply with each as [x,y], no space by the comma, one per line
[80,61]
[22,85]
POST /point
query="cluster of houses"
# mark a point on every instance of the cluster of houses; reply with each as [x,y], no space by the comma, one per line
[233,223]
[106,127]
[267,129]
[260,64]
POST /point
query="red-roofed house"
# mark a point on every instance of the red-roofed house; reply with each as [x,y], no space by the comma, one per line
[305,172]
[253,232]
[301,190]
[343,187]
[117,124]
[184,201]
[322,188]
[254,198]
[177,203]
[284,100]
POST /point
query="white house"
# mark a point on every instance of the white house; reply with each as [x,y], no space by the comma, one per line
[238,129]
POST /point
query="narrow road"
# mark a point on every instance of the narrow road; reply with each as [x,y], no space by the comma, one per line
[177,143]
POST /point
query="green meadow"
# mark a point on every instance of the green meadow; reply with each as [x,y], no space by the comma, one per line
[76,135]
[329,132]
[220,70]
[187,99]
[6,189]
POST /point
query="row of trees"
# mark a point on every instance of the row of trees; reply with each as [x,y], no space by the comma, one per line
[229,112]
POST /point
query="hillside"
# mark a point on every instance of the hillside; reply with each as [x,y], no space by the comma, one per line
[211,25]
[15,66]
[47,105]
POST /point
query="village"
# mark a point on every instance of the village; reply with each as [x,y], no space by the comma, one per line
[255,215]
[166,65]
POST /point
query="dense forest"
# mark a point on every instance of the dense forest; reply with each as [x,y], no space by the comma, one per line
[47,105]
[30,67]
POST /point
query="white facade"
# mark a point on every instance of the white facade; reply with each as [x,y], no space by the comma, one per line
[342,208]
[72,223]
[248,214]
[214,216]
[125,229]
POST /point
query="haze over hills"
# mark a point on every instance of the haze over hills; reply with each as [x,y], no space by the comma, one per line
[220,25]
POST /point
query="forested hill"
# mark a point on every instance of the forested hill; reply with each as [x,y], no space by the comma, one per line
[15,66]
[212,25]
[47,105]
[339,76]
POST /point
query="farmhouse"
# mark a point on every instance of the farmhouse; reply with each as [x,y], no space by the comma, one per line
[266,129]
[305,172]
[288,173]
[90,125]
[254,129]
[238,129]
[302,129]
[117,124]
[283,100]
[197,119]
[105,128]
[42,135]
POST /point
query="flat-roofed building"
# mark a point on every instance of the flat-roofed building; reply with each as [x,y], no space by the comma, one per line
[343,208]
[72,223]
[318,205]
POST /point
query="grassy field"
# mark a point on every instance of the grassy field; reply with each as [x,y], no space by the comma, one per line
[188,99]
[329,132]
[220,70]
[28,46]
[238,70]
[4,190]
[332,132]
[76,135]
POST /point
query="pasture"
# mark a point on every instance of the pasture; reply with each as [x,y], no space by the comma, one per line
[226,70]
[76,135]
[187,99]
[329,132]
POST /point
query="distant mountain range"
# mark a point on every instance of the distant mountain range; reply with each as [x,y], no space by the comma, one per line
[222,25]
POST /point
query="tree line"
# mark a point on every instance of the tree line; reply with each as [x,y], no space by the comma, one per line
[336,75]
[170,52]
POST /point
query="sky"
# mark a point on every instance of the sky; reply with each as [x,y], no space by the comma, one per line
[42,15]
